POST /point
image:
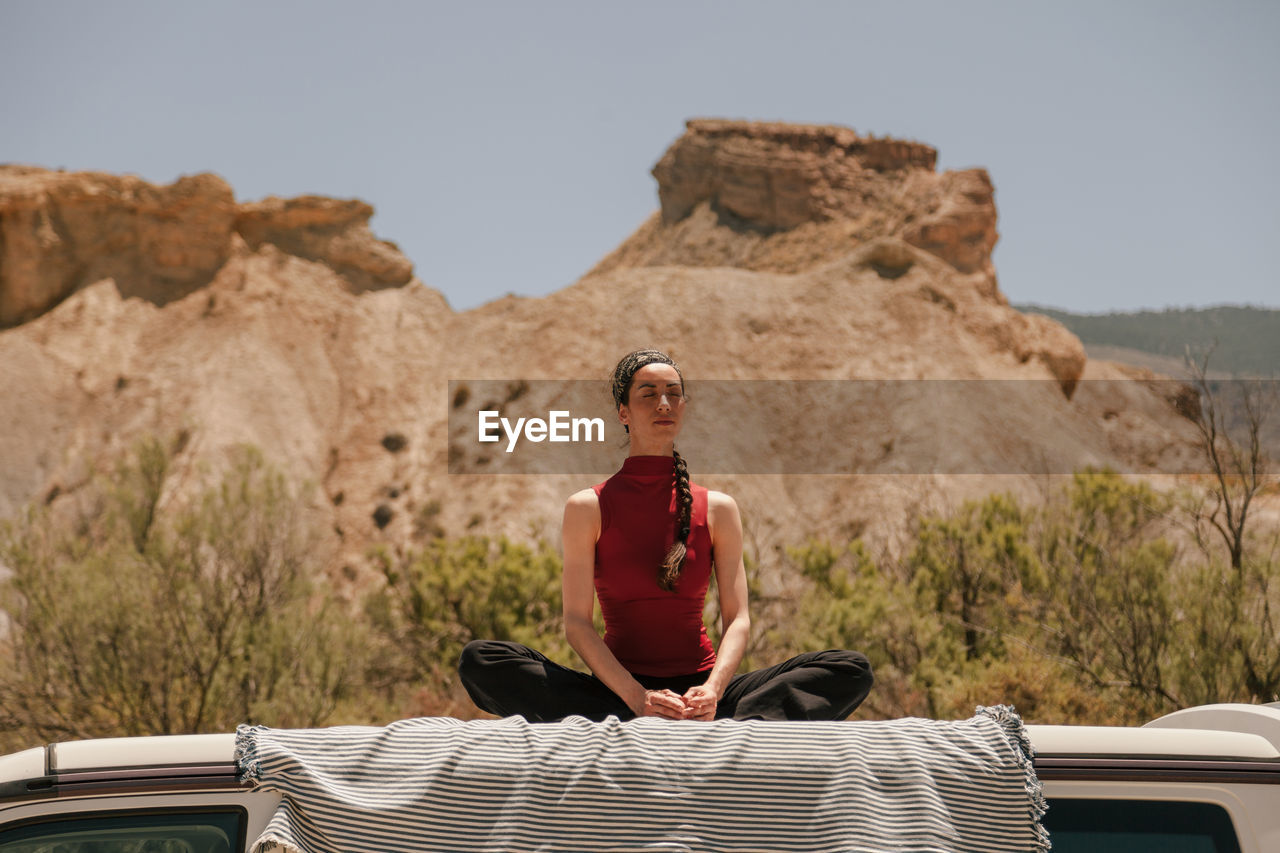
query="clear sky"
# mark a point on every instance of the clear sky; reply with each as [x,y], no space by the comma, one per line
[507,145]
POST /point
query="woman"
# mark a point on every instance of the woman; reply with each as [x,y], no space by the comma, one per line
[646,542]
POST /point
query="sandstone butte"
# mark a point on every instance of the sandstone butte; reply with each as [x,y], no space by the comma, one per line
[780,252]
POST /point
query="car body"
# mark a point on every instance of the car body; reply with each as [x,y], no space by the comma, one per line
[1203,779]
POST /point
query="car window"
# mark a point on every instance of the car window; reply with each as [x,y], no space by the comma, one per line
[167,831]
[1139,826]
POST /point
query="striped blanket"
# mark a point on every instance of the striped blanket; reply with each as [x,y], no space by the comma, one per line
[435,784]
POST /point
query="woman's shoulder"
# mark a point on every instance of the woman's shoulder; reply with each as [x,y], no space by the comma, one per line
[582,514]
[719,503]
[583,500]
[723,520]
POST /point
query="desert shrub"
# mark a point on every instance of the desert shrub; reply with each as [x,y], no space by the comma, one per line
[1043,688]
[1230,621]
[1111,571]
[853,601]
[1091,607]
[976,571]
[140,613]
[1083,609]
[442,595]
[152,610]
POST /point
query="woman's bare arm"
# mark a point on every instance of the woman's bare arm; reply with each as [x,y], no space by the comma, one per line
[735,622]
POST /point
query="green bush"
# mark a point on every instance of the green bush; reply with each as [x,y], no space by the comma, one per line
[1111,573]
[1084,609]
[151,610]
[439,597]
[147,613]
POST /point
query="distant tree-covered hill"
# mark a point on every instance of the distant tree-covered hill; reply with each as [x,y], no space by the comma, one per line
[1246,340]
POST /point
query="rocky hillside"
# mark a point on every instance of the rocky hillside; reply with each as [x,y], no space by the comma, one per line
[780,252]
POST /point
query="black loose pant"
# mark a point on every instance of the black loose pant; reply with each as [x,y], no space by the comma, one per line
[507,679]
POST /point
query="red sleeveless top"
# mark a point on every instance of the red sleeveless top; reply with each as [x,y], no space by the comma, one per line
[649,630]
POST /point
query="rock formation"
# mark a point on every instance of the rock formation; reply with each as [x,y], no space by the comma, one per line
[782,197]
[333,232]
[780,252]
[793,198]
[61,231]
[778,176]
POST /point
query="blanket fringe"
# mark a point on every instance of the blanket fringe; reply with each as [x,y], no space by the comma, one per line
[271,843]
[248,762]
[1024,753]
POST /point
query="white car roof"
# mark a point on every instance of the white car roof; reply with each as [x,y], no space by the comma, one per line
[1149,743]
[107,753]
[1261,720]
[28,764]
[1250,732]
[119,753]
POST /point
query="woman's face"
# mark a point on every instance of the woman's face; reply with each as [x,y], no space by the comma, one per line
[655,403]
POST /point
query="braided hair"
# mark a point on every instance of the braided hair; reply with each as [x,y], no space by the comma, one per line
[673,562]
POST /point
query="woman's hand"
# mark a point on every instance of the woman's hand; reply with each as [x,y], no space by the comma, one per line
[661,703]
[700,703]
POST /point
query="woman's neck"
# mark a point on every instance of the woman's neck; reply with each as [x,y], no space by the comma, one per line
[651,449]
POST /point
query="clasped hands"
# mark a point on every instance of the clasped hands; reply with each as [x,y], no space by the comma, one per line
[697,703]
